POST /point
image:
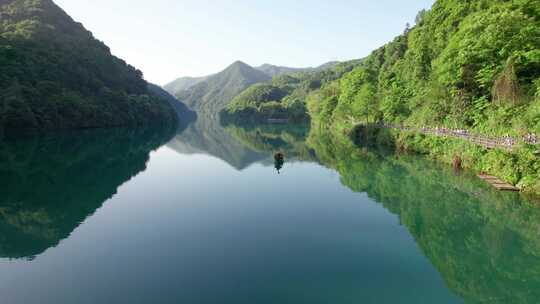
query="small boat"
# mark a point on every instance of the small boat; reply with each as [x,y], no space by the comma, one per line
[279,160]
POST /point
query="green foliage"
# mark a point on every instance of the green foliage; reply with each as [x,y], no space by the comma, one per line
[210,96]
[466,64]
[284,98]
[462,65]
[54,74]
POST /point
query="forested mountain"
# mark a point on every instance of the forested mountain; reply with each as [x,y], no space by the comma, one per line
[472,65]
[284,97]
[466,64]
[210,96]
[183,83]
[55,74]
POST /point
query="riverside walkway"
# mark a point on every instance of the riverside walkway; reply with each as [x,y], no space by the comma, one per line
[488,142]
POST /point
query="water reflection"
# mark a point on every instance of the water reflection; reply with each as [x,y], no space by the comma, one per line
[207,136]
[50,184]
[289,140]
[242,146]
[307,238]
[485,244]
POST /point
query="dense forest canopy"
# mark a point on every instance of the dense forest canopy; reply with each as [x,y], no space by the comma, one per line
[55,74]
[472,65]
[466,64]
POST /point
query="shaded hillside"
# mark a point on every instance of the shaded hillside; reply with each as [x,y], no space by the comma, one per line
[41,203]
[185,115]
[55,74]
[213,94]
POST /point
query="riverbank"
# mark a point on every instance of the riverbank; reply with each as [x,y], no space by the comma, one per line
[516,163]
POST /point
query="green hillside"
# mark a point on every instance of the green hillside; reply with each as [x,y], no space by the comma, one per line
[210,96]
[54,74]
[471,65]
[185,83]
[466,64]
[284,97]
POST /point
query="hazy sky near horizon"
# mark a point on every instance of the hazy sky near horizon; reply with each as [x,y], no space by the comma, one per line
[167,39]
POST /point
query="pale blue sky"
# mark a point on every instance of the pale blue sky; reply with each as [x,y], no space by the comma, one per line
[171,38]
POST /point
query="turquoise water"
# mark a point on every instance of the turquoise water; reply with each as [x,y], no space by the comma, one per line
[151,217]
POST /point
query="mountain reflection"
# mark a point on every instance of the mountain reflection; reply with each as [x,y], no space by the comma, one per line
[51,184]
[243,145]
[287,139]
[207,136]
[484,243]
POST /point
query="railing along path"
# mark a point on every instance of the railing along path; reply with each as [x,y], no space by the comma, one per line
[489,142]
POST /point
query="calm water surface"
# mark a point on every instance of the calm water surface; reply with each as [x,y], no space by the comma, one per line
[130,217]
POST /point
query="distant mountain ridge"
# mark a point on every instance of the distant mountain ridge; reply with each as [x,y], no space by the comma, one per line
[213,94]
[183,83]
[274,70]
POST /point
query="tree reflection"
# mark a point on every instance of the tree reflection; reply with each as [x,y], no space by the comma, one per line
[51,184]
[486,244]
